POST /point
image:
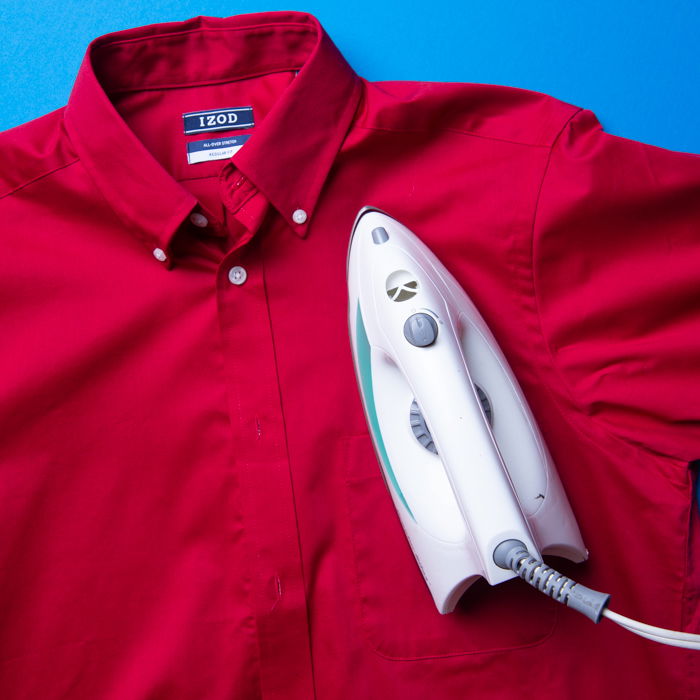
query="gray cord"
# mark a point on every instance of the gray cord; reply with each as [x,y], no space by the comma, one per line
[513,554]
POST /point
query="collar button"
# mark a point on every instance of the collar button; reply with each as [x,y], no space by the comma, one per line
[159,254]
[299,216]
[199,219]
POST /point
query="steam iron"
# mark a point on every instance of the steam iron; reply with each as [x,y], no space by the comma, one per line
[463,459]
[459,449]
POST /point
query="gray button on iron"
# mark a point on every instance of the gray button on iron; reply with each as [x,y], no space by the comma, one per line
[379,235]
[420,330]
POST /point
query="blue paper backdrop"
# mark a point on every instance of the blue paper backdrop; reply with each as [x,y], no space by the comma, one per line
[634,63]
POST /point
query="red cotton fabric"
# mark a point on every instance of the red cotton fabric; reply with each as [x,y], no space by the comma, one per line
[191,505]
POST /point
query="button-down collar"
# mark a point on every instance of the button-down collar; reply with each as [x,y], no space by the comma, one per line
[289,153]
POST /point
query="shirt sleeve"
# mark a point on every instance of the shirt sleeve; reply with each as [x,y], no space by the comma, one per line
[616,271]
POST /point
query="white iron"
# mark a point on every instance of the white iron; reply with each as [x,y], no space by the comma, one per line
[460,451]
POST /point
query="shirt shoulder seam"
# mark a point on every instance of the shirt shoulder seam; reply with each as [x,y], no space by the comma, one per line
[599,427]
[464,132]
[535,296]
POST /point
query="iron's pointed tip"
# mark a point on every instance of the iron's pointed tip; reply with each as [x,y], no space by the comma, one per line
[365,210]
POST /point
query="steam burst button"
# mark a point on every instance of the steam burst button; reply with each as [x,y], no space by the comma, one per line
[379,235]
[420,330]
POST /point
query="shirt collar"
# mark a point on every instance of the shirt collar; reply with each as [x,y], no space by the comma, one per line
[289,153]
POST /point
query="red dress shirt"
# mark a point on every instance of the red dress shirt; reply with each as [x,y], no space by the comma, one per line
[190,504]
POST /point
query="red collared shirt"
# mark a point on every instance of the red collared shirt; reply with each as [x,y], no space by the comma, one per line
[190,503]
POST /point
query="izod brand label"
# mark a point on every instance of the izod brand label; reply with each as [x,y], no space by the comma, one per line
[214,149]
[218,120]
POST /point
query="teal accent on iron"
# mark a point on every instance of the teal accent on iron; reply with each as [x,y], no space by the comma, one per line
[365,369]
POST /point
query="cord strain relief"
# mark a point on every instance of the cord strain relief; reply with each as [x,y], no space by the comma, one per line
[514,555]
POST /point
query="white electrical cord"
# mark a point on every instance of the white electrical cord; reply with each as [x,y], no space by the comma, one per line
[513,554]
[656,634]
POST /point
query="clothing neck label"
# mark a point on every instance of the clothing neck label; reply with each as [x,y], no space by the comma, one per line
[218,120]
[214,149]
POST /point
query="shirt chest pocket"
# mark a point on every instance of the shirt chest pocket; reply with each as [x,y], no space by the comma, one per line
[393,602]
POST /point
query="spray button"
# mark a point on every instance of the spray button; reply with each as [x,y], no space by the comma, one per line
[379,235]
[420,330]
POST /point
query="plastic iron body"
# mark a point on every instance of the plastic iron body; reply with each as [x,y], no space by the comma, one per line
[459,449]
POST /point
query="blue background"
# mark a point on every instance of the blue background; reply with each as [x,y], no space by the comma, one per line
[635,64]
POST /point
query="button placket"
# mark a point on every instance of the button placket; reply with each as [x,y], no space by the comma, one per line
[264,472]
[235,188]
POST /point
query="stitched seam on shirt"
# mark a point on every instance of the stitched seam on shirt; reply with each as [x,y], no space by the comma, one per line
[321,174]
[260,29]
[38,177]
[268,70]
[368,628]
[687,593]
[278,392]
[566,386]
[196,177]
[246,199]
[597,426]
[454,131]
[302,29]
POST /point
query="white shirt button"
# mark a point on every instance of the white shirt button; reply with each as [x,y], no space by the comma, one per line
[198,219]
[237,275]
[299,216]
[159,254]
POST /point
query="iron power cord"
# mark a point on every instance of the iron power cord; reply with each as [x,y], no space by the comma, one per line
[513,554]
